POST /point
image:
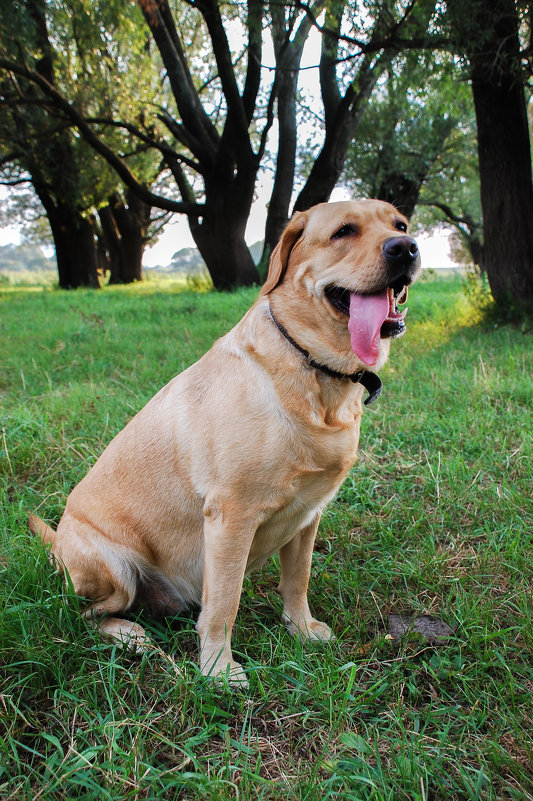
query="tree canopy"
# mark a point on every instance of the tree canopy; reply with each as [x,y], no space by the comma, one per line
[186,102]
[73,46]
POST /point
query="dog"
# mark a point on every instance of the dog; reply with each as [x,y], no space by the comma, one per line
[235,458]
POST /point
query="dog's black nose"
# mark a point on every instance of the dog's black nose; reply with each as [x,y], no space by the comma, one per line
[400,250]
[402,259]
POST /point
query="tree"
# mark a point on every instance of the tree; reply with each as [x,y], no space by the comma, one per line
[124,222]
[288,50]
[216,125]
[356,49]
[488,35]
[227,156]
[342,112]
[405,131]
[415,146]
[450,194]
[46,153]
[374,37]
[37,147]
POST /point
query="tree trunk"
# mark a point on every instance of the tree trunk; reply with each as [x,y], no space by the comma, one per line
[219,235]
[328,165]
[504,154]
[340,131]
[288,52]
[220,239]
[132,220]
[280,199]
[402,191]
[124,227]
[110,242]
[75,246]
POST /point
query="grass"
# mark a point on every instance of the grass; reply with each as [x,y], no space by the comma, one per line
[434,519]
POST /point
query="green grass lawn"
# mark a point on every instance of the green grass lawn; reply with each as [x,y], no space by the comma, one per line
[435,518]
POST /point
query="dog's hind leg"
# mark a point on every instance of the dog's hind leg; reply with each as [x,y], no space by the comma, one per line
[153,593]
[100,575]
[116,593]
[123,631]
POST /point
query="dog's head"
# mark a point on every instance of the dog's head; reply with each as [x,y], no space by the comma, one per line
[337,275]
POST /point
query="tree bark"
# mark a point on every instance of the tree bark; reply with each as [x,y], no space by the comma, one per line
[504,153]
[109,241]
[219,237]
[75,246]
[124,226]
[288,52]
[133,220]
[340,131]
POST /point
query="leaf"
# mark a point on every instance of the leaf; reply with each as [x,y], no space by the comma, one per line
[353,740]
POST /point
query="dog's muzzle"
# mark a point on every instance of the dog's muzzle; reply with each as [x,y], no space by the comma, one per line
[402,259]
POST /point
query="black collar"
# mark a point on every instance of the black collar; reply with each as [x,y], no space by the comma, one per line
[369,380]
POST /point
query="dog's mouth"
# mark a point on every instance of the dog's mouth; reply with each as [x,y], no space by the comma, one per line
[371,317]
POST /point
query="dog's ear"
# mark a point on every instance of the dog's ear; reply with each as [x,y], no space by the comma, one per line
[280,255]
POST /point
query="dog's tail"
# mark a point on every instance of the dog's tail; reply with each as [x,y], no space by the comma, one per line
[42,529]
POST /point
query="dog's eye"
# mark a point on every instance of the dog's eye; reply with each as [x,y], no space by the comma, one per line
[401,226]
[345,230]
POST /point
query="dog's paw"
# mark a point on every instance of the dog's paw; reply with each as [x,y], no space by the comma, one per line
[310,629]
[320,631]
[230,675]
[130,634]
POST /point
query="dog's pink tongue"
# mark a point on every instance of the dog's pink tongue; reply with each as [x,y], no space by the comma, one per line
[367,315]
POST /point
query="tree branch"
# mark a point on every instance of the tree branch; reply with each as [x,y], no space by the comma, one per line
[390,40]
[254,49]
[78,121]
[237,118]
[163,147]
[204,137]
[465,219]
[329,88]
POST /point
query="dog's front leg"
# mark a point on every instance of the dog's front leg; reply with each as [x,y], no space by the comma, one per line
[226,547]
[295,561]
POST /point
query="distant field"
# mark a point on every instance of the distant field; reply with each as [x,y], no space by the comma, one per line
[27,265]
[435,518]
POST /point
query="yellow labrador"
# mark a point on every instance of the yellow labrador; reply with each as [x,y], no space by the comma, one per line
[235,459]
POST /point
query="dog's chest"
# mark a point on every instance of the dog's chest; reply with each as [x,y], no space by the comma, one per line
[300,502]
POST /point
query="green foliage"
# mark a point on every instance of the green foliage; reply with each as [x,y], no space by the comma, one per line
[21,209]
[435,518]
[419,131]
[408,120]
[451,191]
[97,54]
[477,288]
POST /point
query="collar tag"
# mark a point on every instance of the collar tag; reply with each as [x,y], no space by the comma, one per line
[373,384]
